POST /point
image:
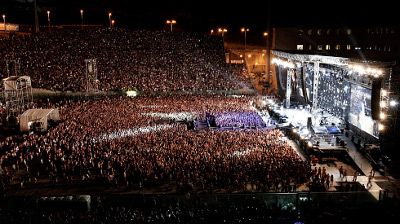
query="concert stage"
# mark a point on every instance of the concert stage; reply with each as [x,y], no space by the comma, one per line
[324,133]
[355,91]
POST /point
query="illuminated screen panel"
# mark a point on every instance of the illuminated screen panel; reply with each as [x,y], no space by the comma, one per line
[333,92]
[360,110]
[308,83]
[282,79]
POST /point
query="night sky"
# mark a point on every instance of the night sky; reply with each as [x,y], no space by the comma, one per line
[206,14]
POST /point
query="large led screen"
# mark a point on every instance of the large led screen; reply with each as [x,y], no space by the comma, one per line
[360,110]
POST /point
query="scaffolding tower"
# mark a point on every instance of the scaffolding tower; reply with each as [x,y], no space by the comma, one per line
[91,76]
[17,95]
[12,67]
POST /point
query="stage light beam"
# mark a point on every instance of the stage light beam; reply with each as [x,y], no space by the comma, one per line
[393,103]
[381,127]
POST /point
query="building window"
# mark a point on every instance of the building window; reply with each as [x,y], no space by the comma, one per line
[300,47]
[348,31]
[310,47]
[357,48]
[319,31]
[309,32]
[337,31]
[348,47]
[300,32]
[319,47]
[337,47]
[327,47]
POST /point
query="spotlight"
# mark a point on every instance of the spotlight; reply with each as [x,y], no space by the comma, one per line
[382,116]
[381,127]
[384,92]
[393,103]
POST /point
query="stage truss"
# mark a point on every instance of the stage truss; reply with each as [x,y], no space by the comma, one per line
[92,83]
[358,72]
[17,95]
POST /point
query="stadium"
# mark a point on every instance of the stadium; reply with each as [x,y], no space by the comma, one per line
[107,124]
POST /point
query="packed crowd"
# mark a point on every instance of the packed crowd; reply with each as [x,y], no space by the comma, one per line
[116,141]
[147,60]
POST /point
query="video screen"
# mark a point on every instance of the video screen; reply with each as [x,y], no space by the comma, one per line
[282,80]
[360,110]
[308,83]
[333,93]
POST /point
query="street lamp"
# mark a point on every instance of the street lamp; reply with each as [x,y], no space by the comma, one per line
[171,22]
[245,30]
[4,21]
[222,31]
[109,18]
[267,65]
[48,18]
[81,18]
[112,23]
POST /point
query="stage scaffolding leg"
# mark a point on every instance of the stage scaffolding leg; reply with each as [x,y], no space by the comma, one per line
[91,76]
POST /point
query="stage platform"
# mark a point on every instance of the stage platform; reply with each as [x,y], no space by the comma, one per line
[235,121]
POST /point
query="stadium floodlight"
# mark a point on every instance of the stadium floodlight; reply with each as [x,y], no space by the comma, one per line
[48,18]
[381,127]
[245,30]
[171,23]
[109,19]
[81,17]
[4,21]
[382,116]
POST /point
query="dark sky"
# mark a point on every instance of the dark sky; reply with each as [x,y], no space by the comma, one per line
[206,14]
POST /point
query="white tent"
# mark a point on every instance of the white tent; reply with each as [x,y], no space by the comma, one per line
[16,82]
[38,115]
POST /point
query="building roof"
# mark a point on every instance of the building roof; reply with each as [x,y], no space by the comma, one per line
[14,78]
[35,114]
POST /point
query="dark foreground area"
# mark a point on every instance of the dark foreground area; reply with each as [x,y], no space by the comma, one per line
[355,207]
